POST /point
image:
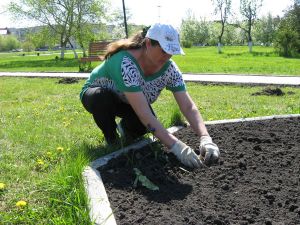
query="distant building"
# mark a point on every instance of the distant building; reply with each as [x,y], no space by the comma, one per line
[4,31]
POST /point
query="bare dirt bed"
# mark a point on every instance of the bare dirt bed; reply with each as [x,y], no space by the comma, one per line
[257,180]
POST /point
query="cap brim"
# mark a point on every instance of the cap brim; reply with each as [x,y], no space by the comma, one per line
[173,51]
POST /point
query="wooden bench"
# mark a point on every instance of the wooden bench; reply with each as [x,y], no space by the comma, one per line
[95,53]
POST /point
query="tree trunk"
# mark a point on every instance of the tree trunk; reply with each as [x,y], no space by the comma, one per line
[62,52]
[74,51]
[250,46]
[219,48]
[83,49]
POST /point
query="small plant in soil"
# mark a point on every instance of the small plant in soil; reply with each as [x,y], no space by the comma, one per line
[143,180]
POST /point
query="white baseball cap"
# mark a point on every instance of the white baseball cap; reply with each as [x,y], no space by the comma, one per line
[167,36]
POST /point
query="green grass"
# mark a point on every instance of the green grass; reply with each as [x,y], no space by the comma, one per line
[45,62]
[47,138]
[237,60]
[233,60]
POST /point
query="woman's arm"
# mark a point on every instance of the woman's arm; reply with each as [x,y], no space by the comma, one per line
[208,150]
[191,112]
[140,105]
[183,152]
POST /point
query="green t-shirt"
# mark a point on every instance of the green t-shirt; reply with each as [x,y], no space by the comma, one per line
[121,73]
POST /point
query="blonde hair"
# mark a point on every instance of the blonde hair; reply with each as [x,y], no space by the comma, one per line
[135,42]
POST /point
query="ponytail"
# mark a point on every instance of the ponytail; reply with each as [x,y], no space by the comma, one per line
[135,42]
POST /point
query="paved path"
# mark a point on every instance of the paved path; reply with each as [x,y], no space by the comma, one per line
[223,78]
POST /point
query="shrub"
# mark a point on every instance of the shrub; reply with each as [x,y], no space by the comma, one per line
[8,42]
[186,44]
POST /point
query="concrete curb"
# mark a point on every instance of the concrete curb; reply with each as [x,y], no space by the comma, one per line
[243,79]
[206,78]
[100,210]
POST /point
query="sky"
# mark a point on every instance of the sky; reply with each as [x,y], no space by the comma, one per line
[148,12]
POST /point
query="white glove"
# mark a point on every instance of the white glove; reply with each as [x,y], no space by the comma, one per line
[209,150]
[186,155]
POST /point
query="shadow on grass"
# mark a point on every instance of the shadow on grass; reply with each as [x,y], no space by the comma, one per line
[93,153]
[266,54]
[262,54]
[47,63]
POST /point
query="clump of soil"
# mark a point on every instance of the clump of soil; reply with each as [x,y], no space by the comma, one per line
[270,91]
[68,80]
[257,180]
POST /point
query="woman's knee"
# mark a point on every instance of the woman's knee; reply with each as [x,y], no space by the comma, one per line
[98,99]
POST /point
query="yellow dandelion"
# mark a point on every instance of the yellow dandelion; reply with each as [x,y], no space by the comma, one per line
[21,204]
[40,162]
[18,117]
[60,149]
[61,109]
[2,186]
[66,123]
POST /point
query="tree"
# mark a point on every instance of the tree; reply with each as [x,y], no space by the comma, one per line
[194,31]
[88,15]
[42,37]
[118,30]
[265,29]
[223,7]
[249,10]
[8,42]
[288,34]
[62,17]
[231,36]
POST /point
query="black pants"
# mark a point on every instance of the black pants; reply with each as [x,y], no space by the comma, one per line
[105,106]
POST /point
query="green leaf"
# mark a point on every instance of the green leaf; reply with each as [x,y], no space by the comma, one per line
[144,180]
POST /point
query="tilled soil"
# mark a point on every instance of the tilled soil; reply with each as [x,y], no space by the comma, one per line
[257,180]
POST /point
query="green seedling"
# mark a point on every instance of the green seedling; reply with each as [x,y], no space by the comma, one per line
[144,181]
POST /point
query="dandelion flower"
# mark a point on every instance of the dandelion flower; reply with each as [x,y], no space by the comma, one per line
[40,162]
[2,186]
[21,204]
[60,149]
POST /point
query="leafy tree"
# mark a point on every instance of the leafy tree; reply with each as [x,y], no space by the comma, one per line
[27,46]
[249,10]
[8,43]
[222,7]
[194,31]
[118,26]
[265,29]
[43,37]
[62,17]
[88,22]
[232,35]
[288,34]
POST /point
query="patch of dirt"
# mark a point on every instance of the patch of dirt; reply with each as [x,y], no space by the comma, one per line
[257,180]
[68,80]
[270,91]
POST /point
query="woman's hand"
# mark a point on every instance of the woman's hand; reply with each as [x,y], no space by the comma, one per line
[186,154]
[209,151]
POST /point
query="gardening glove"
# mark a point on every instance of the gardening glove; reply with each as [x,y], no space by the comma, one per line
[186,154]
[209,151]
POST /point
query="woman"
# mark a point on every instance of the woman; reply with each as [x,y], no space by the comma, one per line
[131,78]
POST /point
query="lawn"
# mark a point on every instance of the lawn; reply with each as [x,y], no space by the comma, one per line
[46,139]
[233,60]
